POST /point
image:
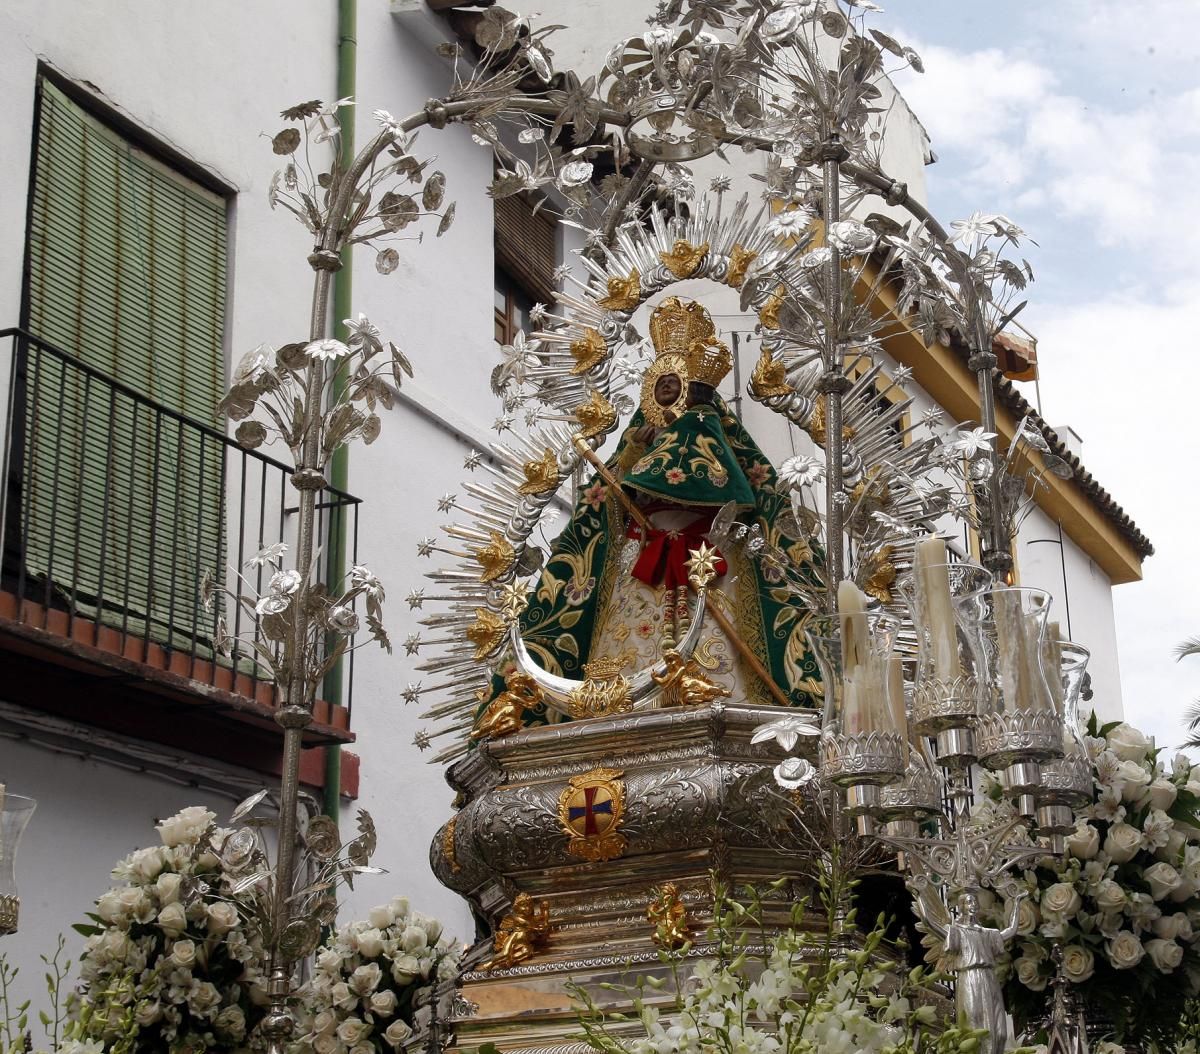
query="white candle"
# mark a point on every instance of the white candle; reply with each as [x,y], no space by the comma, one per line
[933,584]
[897,717]
[852,620]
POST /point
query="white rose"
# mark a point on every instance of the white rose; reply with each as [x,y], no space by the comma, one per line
[1028,918]
[352,1030]
[1175,843]
[383,1003]
[1162,793]
[365,979]
[433,929]
[399,907]
[370,944]
[172,920]
[1122,843]
[328,1044]
[1163,879]
[413,940]
[1110,896]
[405,968]
[184,954]
[1125,951]
[381,917]
[1084,843]
[115,944]
[109,908]
[1134,780]
[222,917]
[136,903]
[1078,963]
[325,1023]
[186,825]
[1029,976]
[1128,743]
[329,962]
[146,864]
[1166,955]
[343,997]
[1184,891]
[1107,1046]
[166,888]
[147,1013]
[232,1022]
[1061,900]
[1173,927]
[397,1032]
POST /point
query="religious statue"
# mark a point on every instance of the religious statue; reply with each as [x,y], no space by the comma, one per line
[971,953]
[618,591]
[668,915]
[520,933]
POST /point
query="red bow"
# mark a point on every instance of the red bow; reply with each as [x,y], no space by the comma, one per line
[664,557]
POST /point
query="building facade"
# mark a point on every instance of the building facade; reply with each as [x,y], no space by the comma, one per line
[143,260]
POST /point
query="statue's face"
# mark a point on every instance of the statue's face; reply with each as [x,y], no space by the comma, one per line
[667,389]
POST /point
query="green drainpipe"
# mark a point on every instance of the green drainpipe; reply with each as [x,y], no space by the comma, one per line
[339,469]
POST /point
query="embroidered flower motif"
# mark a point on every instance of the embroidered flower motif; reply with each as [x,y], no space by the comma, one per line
[757,474]
[675,475]
[595,495]
[645,629]
[577,592]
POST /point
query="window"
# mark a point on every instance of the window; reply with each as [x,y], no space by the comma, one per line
[125,272]
[526,243]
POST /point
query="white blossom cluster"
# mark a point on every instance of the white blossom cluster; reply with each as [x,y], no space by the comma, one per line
[369,980]
[1124,901]
[169,963]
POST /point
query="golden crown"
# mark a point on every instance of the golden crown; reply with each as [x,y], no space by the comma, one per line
[708,360]
[675,326]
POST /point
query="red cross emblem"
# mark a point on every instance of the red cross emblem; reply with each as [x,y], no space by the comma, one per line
[590,810]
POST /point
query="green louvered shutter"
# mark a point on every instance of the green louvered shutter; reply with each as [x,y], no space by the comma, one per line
[127,272]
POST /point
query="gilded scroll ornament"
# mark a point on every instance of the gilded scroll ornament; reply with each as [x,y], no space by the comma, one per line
[684,683]
[520,934]
[486,632]
[769,378]
[768,314]
[684,258]
[816,424]
[588,351]
[880,574]
[448,848]
[624,294]
[503,715]
[668,915]
[496,557]
[541,474]
[595,417]
[739,263]
[590,811]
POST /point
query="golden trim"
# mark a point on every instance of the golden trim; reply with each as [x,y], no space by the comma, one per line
[654,413]
[816,424]
[879,574]
[448,850]
[605,844]
[684,259]
[624,294]
[768,314]
[541,474]
[588,351]
[604,692]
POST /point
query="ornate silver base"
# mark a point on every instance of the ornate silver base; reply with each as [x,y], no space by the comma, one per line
[917,796]
[1018,736]
[1066,781]
[939,705]
[10,908]
[866,757]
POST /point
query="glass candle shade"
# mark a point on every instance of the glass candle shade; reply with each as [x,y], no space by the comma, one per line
[15,812]
[944,692]
[1018,725]
[1066,781]
[863,730]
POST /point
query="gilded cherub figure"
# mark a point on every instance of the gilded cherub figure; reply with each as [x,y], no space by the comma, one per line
[520,933]
[503,715]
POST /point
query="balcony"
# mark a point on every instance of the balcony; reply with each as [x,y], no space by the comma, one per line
[114,509]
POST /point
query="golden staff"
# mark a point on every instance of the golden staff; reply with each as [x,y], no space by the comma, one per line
[710,605]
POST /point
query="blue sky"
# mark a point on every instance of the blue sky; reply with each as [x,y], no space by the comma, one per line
[1081,121]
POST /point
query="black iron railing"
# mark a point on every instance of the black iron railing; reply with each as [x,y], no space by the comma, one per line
[115,508]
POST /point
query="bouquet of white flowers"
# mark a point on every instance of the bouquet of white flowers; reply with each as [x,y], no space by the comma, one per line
[1125,899]
[169,962]
[370,978]
[797,993]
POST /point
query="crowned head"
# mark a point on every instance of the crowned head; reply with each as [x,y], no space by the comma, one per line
[675,325]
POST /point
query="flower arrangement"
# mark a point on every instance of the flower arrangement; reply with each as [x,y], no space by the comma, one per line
[370,979]
[1124,901]
[792,993]
[169,962]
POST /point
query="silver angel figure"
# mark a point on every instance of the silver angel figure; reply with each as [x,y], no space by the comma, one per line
[972,950]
